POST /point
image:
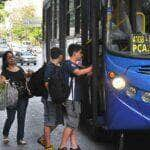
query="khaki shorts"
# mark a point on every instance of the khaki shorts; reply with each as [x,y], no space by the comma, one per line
[72,113]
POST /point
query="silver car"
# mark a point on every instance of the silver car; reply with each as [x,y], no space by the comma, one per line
[26,57]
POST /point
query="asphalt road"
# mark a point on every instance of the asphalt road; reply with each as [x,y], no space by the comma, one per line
[34,128]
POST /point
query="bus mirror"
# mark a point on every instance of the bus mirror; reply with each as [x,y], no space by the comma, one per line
[140,22]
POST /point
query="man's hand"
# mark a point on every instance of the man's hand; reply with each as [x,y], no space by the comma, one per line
[46,85]
[90,69]
[29,73]
[83,71]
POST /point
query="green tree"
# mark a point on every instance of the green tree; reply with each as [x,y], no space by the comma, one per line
[35,34]
[19,32]
[20,18]
[3,13]
[27,12]
[22,24]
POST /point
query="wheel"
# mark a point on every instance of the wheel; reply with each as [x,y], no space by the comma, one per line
[34,63]
[28,64]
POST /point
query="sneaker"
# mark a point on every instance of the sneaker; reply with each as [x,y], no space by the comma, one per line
[41,140]
[21,142]
[51,147]
[5,139]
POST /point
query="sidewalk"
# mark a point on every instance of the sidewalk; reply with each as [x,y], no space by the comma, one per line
[34,129]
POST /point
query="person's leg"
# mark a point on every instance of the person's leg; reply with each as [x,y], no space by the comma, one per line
[10,118]
[68,119]
[73,139]
[65,136]
[21,109]
[49,123]
[47,131]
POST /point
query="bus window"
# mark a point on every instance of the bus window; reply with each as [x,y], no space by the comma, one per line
[140,22]
[123,34]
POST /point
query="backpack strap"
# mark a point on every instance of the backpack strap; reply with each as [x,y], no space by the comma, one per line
[71,86]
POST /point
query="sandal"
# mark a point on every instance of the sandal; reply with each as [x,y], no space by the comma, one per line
[41,140]
[76,148]
[5,140]
[51,147]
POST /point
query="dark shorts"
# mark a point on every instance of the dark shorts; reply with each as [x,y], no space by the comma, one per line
[72,114]
[53,114]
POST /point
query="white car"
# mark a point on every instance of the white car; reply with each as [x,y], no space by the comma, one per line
[26,57]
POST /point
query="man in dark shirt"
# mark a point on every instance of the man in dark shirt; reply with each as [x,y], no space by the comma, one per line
[71,72]
[52,112]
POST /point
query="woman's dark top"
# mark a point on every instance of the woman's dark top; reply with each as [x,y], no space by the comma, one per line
[18,78]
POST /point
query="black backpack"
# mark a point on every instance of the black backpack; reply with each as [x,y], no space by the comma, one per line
[36,82]
[58,88]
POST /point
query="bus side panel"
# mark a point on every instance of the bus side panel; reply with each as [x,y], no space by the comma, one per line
[122,113]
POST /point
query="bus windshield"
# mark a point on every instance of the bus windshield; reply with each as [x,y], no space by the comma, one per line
[128,38]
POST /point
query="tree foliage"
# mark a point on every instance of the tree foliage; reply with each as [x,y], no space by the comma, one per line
[19,32]
[3,13]
[28,12]
[21,28]
[35,34]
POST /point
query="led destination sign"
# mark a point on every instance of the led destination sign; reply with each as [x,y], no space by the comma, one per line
[140,44]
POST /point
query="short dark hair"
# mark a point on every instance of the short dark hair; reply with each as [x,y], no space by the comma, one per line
[55,52]
[74,48]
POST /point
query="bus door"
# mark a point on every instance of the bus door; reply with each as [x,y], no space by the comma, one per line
[93,104]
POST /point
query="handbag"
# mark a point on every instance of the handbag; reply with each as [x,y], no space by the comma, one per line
[3,98]
[11,94]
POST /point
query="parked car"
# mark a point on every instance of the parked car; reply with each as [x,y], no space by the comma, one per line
[25,57]
[18,57]
[3,41]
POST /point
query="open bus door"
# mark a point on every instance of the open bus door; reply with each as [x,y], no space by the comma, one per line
[93,104]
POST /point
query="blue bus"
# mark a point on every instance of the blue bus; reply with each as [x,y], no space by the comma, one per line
[127,66]
[115,36]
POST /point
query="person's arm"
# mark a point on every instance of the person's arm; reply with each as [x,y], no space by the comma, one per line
[29,73]
[2,79]
[46,85]
[79,72]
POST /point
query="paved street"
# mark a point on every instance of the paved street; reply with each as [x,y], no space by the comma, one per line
[33,129]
